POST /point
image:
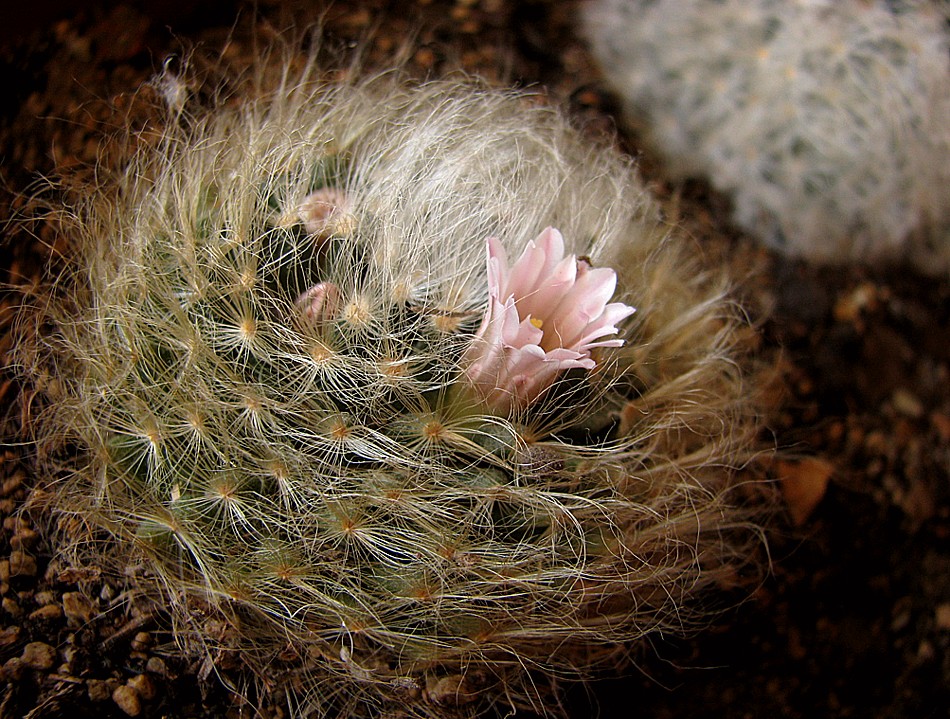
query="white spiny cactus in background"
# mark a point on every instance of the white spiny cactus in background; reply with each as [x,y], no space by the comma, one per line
[828,122]
[409,481]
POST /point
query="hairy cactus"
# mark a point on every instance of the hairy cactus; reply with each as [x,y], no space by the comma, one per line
[827,122]
[291,387]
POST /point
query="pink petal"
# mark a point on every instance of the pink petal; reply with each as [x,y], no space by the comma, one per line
[517,332]
[536,264]
[497,268]
[320,208]
[549,291]
[583,304]
[552,242]
[606,324]
[528,376]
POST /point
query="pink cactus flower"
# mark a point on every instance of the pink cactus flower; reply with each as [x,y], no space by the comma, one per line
[545,315]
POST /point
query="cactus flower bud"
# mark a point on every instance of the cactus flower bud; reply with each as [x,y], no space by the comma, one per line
[325,212]
[320,302]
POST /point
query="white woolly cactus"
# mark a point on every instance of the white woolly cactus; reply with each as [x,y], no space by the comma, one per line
[408,480]
[828,121]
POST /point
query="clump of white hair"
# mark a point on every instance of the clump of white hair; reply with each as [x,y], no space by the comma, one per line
[828,123]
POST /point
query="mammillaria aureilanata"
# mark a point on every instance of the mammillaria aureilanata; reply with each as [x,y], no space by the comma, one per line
[290,390]
[828,122]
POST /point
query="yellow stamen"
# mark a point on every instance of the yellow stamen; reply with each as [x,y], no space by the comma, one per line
[536,322]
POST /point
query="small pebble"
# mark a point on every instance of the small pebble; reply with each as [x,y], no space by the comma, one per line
[22,564]
[156,666]
[803,485]
[49,612]
[9,636]
[13,669]
[144,685]
[452,690]
[52,570]
[38,655]
[849,308]
[901,618]
[11,607]
[98,690]
[12,524]
[12,484]
[71,656]
[876,442]
[77,608]
[425,58]
[942,424]
[127,699]
[26,537]
[141,642]
[45,597]
[943,616]
[75,575]
[907,403]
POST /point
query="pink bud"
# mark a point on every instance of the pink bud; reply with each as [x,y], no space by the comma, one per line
[325,212]
[320,302]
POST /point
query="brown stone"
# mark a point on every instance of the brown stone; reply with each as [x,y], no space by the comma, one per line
[39,655]
[144,685]
[11,607]
[13,669]
[9,636]
[156,665]
[141,642]
[127,699]
[24,539]
[48,613]
[99,690]
[77,608]
[451,690]
[22,564]
[803,485]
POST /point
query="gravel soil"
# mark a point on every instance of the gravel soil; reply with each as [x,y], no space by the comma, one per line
[853,619]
